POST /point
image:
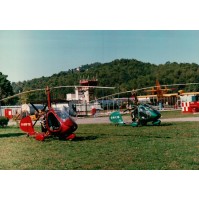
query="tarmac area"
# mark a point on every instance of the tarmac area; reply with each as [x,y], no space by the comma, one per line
[105,120]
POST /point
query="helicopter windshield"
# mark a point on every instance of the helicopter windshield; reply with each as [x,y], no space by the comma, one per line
[62,113]
[148,107]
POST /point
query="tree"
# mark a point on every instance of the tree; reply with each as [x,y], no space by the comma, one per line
[5,87]
[128,74]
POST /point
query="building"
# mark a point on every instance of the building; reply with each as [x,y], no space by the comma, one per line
[10,111]
[85,92]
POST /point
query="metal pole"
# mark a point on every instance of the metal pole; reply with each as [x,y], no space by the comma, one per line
[86,108]
[0,102]
[0,109]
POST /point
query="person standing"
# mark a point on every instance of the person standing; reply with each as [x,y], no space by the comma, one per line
[93,111]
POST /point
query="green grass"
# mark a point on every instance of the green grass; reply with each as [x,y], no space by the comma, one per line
[176,114]
[105,147]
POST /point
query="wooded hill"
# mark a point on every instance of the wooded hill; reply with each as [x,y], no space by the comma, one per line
[124,74]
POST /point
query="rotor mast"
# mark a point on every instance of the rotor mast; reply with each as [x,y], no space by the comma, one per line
[48,97]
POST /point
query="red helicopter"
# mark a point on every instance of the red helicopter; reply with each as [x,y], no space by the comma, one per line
[55,122]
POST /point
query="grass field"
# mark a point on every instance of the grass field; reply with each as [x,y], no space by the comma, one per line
[176,114]
[105,147]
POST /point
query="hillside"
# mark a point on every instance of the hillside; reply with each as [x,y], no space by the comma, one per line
[124,74]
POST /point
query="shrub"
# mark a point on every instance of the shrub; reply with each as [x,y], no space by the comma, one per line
[3,121]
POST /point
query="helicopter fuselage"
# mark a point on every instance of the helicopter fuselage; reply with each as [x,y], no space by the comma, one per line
[59,123]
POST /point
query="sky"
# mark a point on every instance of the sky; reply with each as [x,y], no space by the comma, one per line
[29,54]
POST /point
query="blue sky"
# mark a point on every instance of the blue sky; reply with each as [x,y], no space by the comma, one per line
[30,54]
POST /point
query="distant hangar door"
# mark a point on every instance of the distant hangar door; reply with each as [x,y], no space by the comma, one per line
[8,113]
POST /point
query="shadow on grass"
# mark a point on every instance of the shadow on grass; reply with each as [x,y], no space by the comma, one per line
[166,124]
[156,136]
[10,135]
[76,139]
[85,138]
[161,125]
[148,125]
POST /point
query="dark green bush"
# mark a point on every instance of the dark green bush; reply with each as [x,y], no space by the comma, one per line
[3,121]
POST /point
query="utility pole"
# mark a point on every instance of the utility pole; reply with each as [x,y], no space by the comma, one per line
[0,109]
[0,102]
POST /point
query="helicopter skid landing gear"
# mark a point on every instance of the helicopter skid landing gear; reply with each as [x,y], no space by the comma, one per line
[40,137]
[71,136]
[143,122]
[156,123]
[134,124]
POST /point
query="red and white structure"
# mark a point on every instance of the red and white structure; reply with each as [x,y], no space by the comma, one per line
[190,104]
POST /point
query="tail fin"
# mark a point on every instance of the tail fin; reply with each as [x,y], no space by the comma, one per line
[116,118]
[27,126]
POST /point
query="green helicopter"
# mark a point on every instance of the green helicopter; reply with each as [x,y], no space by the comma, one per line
[141,114]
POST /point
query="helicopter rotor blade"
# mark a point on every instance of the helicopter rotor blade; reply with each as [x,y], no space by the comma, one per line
[44,108]
[39,112]
[81,86]
[35,107]
[35,121]
[57,87]
[19,94]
